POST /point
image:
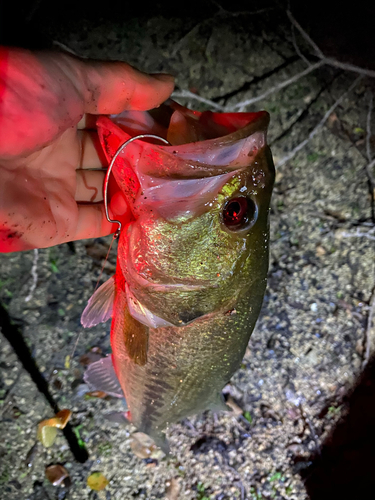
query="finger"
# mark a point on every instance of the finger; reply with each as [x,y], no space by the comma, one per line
[92,155]
[111,87]
[89,186]
[92,222]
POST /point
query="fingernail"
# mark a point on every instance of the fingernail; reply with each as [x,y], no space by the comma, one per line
[163,77]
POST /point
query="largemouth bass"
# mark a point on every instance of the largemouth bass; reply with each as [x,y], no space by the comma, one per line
[192,264]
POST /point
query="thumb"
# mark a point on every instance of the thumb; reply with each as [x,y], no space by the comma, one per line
[112,87]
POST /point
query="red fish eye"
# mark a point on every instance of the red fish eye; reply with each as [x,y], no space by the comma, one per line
[238,212]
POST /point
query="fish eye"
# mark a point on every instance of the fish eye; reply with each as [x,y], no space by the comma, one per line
[239,213]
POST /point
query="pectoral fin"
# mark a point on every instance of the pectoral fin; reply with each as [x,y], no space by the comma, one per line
[142,314]
[100,305]
[101,376]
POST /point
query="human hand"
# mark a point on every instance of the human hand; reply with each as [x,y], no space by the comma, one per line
[49,192]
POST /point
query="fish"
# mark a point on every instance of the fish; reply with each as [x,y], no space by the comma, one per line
[191,264]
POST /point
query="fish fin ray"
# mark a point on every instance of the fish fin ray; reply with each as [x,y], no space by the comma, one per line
[219,404]
[100,305]
[126,330]
[101,376]
[117,417]
[142,314]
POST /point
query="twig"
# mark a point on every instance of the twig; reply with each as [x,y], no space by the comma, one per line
[295,23]
[225,12]
[220,13]
[369,328]
[370,235]
[328,60]
[181,41]
[34,274]
[349,67]
[371,163]
[368,128]
[67,49]
[297,49]
[189,95]
[277,87]
[300,146]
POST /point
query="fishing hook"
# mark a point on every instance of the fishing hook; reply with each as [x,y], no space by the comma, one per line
[108,173]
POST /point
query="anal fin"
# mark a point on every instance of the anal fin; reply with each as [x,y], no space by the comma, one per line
[101,376]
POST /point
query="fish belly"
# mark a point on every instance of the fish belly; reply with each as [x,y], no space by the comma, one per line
[186,367]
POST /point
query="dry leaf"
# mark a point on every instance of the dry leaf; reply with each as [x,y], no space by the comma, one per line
[142,445]
[173,489]
[97,481]
[46,435]
[58,475]
[320,251]
[47,429]
[234,406]
[97,394]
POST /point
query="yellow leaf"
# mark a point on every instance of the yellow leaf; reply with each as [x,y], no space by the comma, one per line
[97,481]
[46,434]
[47,429]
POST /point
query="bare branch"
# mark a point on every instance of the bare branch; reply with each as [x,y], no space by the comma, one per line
[34,274]
[316,129]
[297,49]
[370,235]
[296,24]
[189,95]
[328,60]
[368,127]
[368,338]
[349,67]
[276,88]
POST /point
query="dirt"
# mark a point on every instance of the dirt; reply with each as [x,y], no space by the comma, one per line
[308,348]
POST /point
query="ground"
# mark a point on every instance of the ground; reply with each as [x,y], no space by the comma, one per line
[309,345]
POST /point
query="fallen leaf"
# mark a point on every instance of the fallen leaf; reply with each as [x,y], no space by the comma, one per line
[142,445]
[46,435]
[47,429]
[173,489]
[31,455]
[96,394]
[58,475]
[97,481]
[320,251]
[234,406]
